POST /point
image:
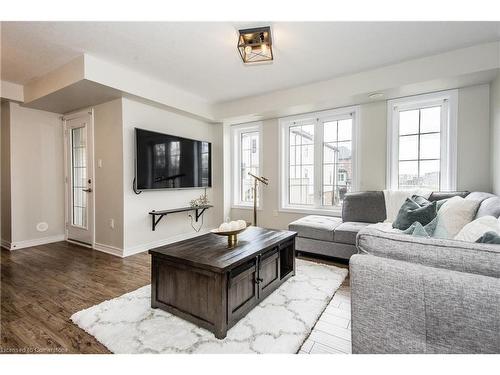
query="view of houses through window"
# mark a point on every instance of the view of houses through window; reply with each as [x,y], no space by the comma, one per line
[337,161]
[319,160]
[422,142]
[249,162]
[301,161]
[420,148]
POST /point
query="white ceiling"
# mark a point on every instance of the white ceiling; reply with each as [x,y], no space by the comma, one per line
[202,58]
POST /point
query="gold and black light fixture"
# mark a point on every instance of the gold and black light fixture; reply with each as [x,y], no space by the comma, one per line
[255,45]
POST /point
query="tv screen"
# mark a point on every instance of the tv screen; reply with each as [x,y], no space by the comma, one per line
[165,161]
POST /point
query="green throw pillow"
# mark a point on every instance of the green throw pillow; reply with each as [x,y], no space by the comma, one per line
[418,230]
[421,201]
[489,237]
[411,212]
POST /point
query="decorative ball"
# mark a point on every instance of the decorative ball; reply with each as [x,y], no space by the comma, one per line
[234,225]
[224,227]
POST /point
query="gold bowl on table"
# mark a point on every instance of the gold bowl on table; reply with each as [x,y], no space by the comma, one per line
[232,235]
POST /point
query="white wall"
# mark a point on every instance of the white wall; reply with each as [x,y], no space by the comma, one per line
[495,134]
[108,167]
[138,235]
[37,178]
[473,164]
[473,143]
[457,68]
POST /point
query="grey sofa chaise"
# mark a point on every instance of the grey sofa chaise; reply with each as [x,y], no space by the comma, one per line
[336,236]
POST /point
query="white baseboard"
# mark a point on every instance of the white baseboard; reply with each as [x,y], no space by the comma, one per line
[151,245]
[36,242]
[5,244]
[109,249]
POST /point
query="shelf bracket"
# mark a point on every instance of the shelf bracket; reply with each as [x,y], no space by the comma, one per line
[155,220]
[198,213]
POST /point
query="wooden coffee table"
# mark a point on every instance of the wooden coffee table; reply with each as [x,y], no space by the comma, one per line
[213,286]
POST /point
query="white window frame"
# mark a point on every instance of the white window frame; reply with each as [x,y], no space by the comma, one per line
[318,118]
[236,131]
[448,158]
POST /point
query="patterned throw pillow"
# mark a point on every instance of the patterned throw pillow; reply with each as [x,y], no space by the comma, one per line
[411,212]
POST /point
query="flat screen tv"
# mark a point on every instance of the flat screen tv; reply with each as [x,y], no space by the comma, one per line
[166,161]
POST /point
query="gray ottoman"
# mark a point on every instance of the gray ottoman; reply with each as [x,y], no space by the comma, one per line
[326,235]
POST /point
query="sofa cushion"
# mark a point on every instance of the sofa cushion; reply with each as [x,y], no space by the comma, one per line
[481,259]
[347,232]
[316,227]
[479,196]
[489,207]
[327,248]
[366,206]
[440,195]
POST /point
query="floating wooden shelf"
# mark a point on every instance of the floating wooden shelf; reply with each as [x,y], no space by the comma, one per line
[156,216]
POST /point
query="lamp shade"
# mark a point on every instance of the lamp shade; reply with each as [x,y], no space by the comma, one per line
[255,45]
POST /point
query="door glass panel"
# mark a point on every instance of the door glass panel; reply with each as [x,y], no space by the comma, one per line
[79,177]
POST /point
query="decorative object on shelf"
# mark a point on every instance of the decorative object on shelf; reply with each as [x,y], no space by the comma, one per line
[231,230]
[202,200]
[256,180]
[255,45]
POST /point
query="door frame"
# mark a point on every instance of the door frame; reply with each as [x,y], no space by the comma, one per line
[65,118]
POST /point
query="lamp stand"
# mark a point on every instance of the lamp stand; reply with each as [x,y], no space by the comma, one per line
[254,189]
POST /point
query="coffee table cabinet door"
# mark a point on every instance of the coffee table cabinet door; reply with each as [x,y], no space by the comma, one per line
[242,291]
[269,272]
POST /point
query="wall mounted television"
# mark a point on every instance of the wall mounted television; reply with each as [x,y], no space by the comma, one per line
[164,161]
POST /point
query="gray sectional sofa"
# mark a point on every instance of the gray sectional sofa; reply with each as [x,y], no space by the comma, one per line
[336,236]
[413,294]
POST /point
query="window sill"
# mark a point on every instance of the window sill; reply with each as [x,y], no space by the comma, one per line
[336,212]
[243,207]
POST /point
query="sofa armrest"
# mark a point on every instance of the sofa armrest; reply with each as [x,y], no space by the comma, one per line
[401,307]
[481,259]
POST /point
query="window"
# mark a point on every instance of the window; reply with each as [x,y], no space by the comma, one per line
[422,142]
[317,160]
[246,159]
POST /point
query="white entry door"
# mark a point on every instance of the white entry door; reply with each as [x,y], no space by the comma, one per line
[80,177]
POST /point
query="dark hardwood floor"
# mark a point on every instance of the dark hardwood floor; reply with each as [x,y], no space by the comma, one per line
[42,286]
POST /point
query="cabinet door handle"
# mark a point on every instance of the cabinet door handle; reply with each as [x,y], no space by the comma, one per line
[258,280]
[89,190]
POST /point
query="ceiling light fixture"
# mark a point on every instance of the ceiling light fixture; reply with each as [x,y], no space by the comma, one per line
[376,95]
[255,45]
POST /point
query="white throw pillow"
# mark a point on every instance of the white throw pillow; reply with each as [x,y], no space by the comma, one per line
[394,199]
[455,213]
[475,229]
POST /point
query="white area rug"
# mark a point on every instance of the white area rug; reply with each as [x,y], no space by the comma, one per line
[279,324]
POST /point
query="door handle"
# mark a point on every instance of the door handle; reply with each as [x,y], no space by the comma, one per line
[89,190]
